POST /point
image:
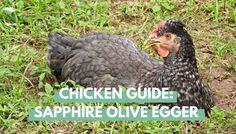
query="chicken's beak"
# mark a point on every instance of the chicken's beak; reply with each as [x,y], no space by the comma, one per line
[152,42]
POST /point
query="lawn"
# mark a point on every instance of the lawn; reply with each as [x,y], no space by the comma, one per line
[26,81]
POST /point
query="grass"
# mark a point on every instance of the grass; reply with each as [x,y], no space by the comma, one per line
[26,81]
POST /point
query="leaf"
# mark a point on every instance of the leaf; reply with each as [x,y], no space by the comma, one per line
[71,82]
[20,4]
[41,76]
[41,94]
[40,85]
[62,5]
[3,71]
[48,88]
[1,52]
[83,24]
[167,6]
[9,10]
[156,9]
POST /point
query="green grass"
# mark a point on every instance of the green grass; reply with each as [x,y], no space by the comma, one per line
[26,81]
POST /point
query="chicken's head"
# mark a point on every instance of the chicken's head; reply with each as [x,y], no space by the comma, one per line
[170,39]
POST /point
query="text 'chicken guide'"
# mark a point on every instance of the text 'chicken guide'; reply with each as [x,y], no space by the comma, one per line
[115,113]
[107,94]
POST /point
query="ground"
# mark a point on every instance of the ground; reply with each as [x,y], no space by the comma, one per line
[26,81]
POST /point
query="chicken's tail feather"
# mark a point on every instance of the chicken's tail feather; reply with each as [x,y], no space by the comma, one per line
[59,45]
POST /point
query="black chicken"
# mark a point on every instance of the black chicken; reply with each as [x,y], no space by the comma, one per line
[107,60]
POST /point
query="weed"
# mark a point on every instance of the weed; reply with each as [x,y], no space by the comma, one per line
[26,81]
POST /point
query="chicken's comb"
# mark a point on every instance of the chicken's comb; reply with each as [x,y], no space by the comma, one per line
[155,32]
[161,24]
[175,23]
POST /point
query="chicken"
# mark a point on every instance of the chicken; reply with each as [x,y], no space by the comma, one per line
[107,60]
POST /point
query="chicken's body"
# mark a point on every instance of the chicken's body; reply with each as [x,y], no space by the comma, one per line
[100,60]
[107,60]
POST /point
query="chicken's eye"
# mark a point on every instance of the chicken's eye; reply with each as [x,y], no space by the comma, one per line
[168,36]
